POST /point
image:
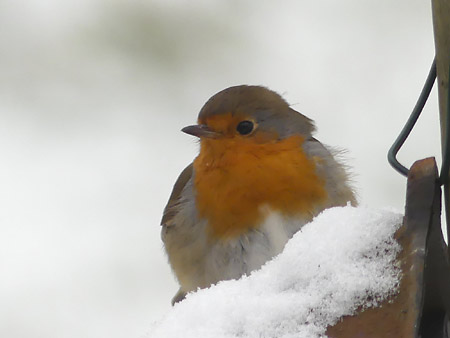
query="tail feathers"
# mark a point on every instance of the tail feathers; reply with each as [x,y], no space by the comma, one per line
[179,296]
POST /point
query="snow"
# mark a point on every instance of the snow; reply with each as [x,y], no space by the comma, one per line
[343,259]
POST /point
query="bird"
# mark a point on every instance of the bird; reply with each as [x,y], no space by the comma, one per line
[259,177]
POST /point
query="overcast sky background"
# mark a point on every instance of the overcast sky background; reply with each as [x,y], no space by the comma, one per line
[93,95]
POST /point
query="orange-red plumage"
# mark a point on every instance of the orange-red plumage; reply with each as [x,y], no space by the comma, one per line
[237,178]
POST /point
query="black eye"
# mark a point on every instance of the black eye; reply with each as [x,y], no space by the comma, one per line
[245,127]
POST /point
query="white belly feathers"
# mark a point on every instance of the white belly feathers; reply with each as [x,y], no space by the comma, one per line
[223,260]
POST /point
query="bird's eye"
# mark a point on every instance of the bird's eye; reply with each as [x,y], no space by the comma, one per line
[245,127]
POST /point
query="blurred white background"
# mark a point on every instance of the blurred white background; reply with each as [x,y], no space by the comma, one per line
[93,95]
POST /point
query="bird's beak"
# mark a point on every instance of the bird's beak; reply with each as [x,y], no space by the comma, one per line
[200,130]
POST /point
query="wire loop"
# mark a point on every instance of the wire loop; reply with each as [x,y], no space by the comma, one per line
[392,153]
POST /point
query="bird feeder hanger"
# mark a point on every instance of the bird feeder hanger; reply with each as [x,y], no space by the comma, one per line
[427,248]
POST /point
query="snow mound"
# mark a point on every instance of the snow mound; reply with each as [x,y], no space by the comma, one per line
[343,259]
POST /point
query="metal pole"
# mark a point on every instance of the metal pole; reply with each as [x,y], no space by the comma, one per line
[441,24]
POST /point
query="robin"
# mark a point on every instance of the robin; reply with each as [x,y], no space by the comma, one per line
[259,177]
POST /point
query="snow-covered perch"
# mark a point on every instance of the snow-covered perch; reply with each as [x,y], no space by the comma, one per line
[341,262]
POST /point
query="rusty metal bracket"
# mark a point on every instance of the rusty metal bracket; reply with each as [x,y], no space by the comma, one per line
[423,224]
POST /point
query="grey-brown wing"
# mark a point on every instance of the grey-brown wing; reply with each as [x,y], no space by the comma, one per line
[171,208]
[333,169]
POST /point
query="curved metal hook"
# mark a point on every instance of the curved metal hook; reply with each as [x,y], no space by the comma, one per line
[392,154]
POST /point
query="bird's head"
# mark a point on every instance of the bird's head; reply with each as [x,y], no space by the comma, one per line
[249,114]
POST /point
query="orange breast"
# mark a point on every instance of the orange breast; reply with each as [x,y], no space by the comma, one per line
[236,179]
